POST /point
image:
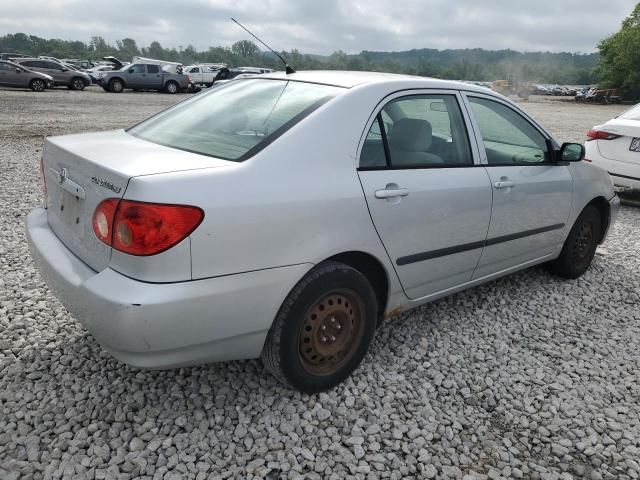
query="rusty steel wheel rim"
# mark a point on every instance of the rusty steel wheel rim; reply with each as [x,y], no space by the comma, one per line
[331,332]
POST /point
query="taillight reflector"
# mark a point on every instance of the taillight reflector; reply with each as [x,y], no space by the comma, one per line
[141,228]
[601,135]
[43,178]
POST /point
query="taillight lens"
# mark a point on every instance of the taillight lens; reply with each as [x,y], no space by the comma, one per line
[601,135]
[141,228]
[43,179]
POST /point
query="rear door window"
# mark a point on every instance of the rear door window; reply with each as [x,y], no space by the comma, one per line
[419,131]
[153,68]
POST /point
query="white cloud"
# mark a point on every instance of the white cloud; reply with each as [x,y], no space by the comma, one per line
[325,26]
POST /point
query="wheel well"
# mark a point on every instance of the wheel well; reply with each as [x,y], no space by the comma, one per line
[116,78]
[603,207]
[371,268]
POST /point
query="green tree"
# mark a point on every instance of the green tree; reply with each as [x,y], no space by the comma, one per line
[619,63]
[127,47]
[245,48]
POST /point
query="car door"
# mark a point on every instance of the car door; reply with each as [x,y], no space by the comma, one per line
[136,76]
[428,197]
[532,194]
[5,75]
[154,77]
[57,71]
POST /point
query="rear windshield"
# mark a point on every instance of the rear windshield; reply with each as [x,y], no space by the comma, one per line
[632,114]
[237,119]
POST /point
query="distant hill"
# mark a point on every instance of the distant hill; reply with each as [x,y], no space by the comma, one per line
[460,64]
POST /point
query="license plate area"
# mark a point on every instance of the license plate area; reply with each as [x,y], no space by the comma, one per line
[635,145]
[69,209]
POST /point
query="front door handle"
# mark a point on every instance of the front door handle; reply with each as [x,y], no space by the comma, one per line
[503,184]
[391,192]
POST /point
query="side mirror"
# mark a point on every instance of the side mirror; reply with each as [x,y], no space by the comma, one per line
[131,70]
[64,69]
[18,70]
[571,152]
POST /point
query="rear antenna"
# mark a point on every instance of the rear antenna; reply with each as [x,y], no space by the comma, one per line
[287,69]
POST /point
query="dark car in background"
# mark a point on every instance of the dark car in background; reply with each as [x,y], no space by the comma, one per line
[62,74]
[16,76]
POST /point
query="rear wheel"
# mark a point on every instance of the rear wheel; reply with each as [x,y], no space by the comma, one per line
[171,87]
[323,328]
[37,85]
[116,85]
[77,84]
[580,247]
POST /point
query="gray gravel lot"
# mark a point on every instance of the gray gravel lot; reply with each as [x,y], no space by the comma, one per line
[525,377]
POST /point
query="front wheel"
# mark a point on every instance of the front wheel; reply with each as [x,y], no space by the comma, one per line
[77,84]
[580,247]
[37,85]
[171,87]
[116,85]
[323,328]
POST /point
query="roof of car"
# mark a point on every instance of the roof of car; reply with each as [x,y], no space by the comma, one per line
[349,79]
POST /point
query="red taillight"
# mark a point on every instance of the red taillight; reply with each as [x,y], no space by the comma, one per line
[601,135]
[43,178]
[140,228]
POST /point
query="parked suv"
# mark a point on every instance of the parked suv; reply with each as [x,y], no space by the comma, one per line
[13,75]
[62,75]
[144,76]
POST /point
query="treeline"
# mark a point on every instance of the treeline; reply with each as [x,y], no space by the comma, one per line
[463,64]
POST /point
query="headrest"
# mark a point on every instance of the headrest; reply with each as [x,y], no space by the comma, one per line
[411,135]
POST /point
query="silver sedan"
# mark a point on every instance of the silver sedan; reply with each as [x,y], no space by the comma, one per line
[286,216]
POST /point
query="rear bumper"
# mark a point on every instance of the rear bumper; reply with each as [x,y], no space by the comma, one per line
[625,183]
[625,175]
[163,325]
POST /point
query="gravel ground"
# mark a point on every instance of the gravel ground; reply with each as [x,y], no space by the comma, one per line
[525,377]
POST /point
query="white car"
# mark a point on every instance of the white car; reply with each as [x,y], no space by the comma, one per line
[615,146]
[286,216]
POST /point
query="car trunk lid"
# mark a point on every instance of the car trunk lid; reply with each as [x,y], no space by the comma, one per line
[82,170]
[620,148]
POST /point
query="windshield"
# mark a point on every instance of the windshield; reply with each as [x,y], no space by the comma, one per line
[235,120]
[632,114]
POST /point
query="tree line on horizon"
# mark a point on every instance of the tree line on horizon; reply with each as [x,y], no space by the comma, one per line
[460,64]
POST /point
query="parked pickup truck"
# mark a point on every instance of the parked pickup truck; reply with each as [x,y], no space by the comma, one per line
[144,76]
[203,73]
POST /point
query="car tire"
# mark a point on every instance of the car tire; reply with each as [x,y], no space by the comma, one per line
[580,246]
[171,87]
[37,85]
[323,329]
[116,85]
[77,84]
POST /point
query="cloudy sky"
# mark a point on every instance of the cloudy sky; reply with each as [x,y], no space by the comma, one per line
[323,26]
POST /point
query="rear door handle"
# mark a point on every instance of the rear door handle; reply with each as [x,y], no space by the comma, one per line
[392,193]
[503,184]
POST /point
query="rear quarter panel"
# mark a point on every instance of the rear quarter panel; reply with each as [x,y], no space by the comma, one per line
[297,201]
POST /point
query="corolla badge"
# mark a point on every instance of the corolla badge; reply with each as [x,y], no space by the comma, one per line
[106,184]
